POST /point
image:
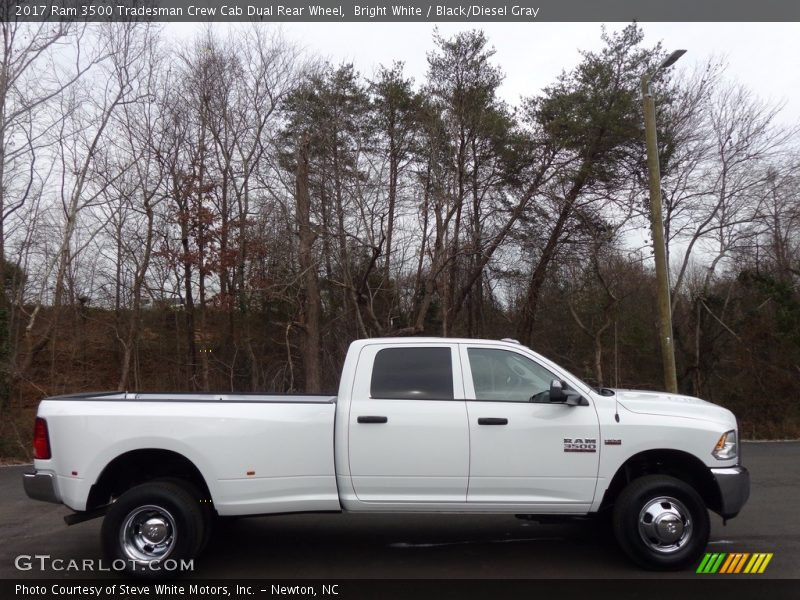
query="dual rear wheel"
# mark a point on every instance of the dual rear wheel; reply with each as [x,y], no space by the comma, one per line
[155,528]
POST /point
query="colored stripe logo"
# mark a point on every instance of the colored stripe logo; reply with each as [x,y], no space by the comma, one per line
[734,562]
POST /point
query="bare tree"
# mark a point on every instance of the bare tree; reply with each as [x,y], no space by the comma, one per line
[731,176]
[32,78]
[83,174]
[144,136]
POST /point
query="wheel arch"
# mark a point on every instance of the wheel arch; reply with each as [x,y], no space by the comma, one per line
[675,463]
[138,466]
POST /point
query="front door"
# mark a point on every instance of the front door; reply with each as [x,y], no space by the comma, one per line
[525,450]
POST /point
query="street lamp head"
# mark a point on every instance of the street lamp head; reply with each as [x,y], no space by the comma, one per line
[671,59]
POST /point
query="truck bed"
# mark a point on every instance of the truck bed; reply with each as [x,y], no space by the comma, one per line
[259,453]
[198,397]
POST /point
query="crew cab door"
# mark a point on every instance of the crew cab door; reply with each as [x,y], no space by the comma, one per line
[408,434]
[540,455]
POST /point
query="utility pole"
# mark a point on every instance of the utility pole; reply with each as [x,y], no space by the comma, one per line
[657,226]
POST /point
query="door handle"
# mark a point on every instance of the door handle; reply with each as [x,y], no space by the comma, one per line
[372,419]
[492,421]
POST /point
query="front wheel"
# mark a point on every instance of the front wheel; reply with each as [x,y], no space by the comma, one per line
[152,528]
[661,522]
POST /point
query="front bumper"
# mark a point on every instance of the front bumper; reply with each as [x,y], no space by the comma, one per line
[41,486]
[734,489]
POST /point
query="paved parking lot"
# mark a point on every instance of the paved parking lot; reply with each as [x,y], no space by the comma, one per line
[424,546]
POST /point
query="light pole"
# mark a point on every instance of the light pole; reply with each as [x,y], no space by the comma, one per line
[657,226]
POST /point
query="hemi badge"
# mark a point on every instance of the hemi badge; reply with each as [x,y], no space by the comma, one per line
[613,442]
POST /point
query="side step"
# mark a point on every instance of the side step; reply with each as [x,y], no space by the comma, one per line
[80,517]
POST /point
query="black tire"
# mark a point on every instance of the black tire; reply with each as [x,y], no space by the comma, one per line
[206,509]
[601,524]
[176,529]
[661,523]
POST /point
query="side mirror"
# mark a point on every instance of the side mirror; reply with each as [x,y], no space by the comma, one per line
[557,391]
[558,395]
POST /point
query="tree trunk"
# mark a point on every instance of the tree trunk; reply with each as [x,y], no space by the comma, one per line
[312,304]
[191,347]
[135,323]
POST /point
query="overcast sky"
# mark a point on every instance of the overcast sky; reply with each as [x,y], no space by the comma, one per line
[764,56]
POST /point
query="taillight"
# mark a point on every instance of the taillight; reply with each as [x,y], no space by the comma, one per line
[41,441]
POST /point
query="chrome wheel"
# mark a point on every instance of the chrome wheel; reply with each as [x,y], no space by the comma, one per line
[665,524]
[148,533]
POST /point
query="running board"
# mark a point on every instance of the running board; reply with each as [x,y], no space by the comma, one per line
[80,517]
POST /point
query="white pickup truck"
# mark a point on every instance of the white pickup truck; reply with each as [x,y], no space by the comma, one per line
[419,425]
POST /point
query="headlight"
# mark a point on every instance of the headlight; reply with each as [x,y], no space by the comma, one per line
[726,447]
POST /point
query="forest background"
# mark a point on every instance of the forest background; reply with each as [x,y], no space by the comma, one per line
[228,213]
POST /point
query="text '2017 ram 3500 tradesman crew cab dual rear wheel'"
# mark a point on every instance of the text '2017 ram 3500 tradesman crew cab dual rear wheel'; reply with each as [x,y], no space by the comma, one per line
[418,425]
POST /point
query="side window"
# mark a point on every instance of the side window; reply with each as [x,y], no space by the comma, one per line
[506,376]
[412,374]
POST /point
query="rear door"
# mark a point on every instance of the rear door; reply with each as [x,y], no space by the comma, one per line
[519,450]
[408,433]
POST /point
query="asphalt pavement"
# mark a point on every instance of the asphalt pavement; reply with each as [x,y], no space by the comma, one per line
[323,546]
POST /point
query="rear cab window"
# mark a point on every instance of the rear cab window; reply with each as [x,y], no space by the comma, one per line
[413,373]
[427,370]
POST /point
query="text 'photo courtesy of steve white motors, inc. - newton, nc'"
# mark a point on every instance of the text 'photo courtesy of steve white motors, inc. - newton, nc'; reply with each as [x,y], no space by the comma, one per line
[283,11]
[147,590]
